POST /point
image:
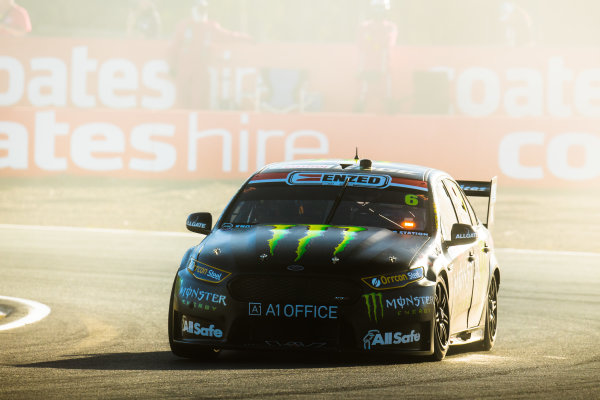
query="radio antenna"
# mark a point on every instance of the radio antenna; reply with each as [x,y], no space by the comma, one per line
[356,155]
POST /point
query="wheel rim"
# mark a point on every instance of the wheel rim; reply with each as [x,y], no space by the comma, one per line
[442,321]
[493,308]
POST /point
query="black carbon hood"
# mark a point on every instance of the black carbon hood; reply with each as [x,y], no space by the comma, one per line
[322,248]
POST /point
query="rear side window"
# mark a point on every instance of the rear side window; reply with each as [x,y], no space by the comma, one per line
[460,204]
[445,210]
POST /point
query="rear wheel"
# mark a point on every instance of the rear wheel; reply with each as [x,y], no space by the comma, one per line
[441,339]
[491,317]
[186,350]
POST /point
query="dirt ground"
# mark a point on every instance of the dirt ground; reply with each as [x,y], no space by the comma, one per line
[529,218]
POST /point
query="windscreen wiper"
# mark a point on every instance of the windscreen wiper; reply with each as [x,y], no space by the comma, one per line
[337,202]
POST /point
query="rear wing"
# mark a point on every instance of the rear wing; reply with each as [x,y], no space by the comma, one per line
[482,189]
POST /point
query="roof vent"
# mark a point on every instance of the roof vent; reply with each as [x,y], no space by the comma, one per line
[365,164]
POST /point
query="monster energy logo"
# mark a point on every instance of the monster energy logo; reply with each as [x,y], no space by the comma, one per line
[279,232]
[349,233]
[374,304]
[313,231]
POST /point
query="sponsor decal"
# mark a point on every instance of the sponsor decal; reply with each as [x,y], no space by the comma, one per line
[474,188]
[313,231]
[207,273]
[191,328]
[338,179]
[374,303]
[255,309]
[403,305]
[402,302]
[411,233]
[393,281]
[414,311]
[348,235]
[201,299]
[279,231]
[376,338]
[228,226]
[296,345]
[465,235]
[306,311]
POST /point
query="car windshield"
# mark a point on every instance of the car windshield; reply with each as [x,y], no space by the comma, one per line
[394,208]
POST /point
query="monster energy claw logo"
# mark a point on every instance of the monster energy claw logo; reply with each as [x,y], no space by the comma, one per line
[374,304]
[279,232]
[312,231]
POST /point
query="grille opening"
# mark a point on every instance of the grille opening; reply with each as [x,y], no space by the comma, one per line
[301,290]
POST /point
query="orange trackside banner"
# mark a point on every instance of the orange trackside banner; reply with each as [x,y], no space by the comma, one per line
[209,145]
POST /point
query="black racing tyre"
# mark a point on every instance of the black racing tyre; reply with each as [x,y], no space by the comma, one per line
[183,350]
[491,316]
[441,331]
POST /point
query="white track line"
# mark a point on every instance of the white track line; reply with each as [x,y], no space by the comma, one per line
[96,230]
[37,312]
[549,252]
[185,234]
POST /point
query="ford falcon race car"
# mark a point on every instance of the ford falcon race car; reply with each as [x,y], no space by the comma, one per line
[341,256]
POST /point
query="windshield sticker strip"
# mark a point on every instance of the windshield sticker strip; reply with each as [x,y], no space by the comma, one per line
[408,186]
[269,177]
[339,179]
[409,183]
[268,181]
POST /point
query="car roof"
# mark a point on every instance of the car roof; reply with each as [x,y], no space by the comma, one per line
[397,170]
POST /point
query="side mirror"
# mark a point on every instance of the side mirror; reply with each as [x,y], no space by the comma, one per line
[462,234]
[199,223]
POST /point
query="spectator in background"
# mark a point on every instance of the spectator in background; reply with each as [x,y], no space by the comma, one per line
[517,25]
[14,20]
[198,44]
[143,21]
[376,41]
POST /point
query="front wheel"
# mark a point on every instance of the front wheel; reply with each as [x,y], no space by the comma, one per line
[186,350]
[441,339]
[491,316]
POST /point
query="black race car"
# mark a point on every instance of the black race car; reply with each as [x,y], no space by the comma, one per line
[343,256]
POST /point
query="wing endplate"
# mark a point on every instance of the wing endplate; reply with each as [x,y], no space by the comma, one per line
[482,189]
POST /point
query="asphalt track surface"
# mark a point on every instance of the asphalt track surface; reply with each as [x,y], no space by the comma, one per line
[106,335]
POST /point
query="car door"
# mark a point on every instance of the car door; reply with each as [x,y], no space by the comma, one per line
[464,278]
[459,273]
[481,274]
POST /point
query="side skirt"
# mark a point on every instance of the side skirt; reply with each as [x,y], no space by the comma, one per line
[468,336]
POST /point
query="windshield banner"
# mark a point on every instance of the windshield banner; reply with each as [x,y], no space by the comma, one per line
[338,179]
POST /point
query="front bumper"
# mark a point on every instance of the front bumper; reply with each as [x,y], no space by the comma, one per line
[303,313]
